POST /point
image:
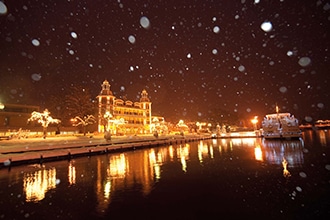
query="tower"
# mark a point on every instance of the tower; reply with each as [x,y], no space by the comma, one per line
[146,105]
[105,105]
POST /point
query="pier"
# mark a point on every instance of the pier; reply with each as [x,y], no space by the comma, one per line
[37,150]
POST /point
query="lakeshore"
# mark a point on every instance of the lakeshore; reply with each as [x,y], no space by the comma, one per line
[38,150]
[16,152]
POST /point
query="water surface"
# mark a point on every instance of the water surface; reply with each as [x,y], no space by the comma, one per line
[218,178]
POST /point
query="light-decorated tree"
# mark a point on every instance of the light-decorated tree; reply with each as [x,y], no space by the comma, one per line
[44,119]
[84,122]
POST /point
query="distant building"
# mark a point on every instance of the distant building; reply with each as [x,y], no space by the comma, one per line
[15,116]
[123,117]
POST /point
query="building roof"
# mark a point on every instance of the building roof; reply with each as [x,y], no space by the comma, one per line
[105,88]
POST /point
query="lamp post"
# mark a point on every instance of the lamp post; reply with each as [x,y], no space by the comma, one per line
[254,122]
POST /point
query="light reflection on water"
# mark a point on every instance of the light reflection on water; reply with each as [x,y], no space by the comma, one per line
[115,175]
[37,183]
[290,150]
[146,167]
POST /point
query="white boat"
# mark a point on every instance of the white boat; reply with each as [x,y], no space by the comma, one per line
[280,125]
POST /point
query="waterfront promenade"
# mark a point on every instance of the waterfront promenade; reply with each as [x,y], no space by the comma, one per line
[38,150]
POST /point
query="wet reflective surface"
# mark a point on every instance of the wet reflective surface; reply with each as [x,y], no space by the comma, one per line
[217,178]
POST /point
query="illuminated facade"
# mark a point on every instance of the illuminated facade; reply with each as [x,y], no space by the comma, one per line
[123,117]
[15,116]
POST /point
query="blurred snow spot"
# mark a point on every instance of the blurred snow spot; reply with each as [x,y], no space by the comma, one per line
[304,61]
[215,51]
[320,105]
[299,189]
[256,1]
[36,76]
[289,53]
[188,55]
[74,35]
[7,162]
[308,118]
[35,42]
[241,68]
[326,7]
[131,39]
[71,52]
[122,88]
[216,29]
[266,26]
[57,181]
[3,8]
[283,89]
[248,110]
[327,167]
[302,174]
[144,21]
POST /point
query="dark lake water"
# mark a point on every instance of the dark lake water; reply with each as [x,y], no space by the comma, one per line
[210,179]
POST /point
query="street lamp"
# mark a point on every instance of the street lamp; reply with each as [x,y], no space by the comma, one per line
[254,122]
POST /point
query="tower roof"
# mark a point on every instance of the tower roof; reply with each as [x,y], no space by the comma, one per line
[144,96]
[105,88]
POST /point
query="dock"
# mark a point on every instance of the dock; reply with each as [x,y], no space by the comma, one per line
[38,150]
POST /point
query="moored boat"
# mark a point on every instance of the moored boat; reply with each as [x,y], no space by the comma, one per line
[280,125]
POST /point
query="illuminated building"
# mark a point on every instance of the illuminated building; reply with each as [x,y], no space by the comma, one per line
[123,117]
[15,116]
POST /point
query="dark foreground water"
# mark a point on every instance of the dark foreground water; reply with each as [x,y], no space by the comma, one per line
[213,179]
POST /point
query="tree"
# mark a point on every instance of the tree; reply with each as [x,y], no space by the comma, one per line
[56,106]
[84,122]
[44,119]
[79,103]
[75,101]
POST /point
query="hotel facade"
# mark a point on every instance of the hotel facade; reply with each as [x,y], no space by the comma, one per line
[121,117]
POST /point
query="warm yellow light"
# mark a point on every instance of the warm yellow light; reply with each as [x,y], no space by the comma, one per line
[286,172]
[107,115]
[36,184]
[258,153]
[72,174]
[254,120]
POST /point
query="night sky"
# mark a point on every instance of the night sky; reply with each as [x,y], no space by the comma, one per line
[196,59]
